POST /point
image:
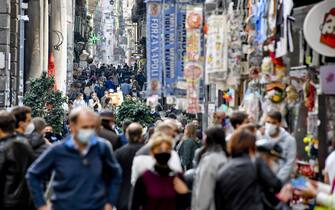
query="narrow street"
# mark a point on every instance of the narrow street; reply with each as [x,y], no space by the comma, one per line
[167,104]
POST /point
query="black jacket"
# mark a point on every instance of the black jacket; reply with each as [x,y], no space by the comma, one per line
[111,137]
[37,143]
[125,156]
[241,183]
[15,158]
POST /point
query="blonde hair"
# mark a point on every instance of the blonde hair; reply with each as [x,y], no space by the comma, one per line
[159,138]
[191,131]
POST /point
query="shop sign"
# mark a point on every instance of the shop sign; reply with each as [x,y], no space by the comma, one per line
[327,79]
[319,28]
[154,40]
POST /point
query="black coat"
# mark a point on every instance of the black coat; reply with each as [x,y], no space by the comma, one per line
[111,137]
[15,158]
[37,143]
[125,156]
[240,184]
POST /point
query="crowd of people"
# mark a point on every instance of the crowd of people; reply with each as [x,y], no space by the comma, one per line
[95,87]
[167,167]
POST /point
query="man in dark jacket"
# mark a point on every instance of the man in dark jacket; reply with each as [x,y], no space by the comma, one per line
[22,116]
[15,158]
[125,156]
[86,173]
[108,129]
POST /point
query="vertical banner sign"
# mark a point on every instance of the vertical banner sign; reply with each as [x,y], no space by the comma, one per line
[154,40]
[193,66]
[215,64]
[181,34]
[170,46]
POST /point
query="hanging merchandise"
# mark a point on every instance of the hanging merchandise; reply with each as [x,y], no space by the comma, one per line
[284,27]
[251,103]
[293,105]
[309,93]
[216,61]
[193,65]
[234,43]
[319,28]
[274,101]
[327,79]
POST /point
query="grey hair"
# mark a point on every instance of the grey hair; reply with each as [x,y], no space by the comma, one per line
[74,114]
[39,124]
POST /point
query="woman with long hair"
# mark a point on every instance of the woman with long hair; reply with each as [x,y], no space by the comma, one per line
[188,146]
[211,161]
[242,181]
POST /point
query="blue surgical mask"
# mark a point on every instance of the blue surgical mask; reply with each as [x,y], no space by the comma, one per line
[85,135]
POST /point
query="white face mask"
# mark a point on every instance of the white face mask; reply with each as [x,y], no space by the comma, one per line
[270,129]
[85,135]
[29,129]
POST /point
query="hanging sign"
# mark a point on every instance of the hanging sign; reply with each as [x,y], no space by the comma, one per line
[181,37]
[193,64]
[170,46]
[154,40]
[327,79]
[319,28]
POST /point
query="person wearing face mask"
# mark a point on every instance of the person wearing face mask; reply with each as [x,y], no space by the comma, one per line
[274,132]
[50,135]
[15,158]
[160,188]
[22,116]
[86,173]
[144,161]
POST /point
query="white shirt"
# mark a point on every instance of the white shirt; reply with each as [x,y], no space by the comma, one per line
[330,167]
[142,163]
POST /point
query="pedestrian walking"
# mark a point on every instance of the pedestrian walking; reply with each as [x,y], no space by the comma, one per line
[94,103]
[274,132]
[22,116]
[212,160]
[144,161]
[240,183]
[36,139]
[125,156]
[86,174]
[160,188]
[15,158]
[188,146]
[108,129]
[79,102]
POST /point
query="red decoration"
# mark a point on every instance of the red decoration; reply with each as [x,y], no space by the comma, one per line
[51,67]
[328,29]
